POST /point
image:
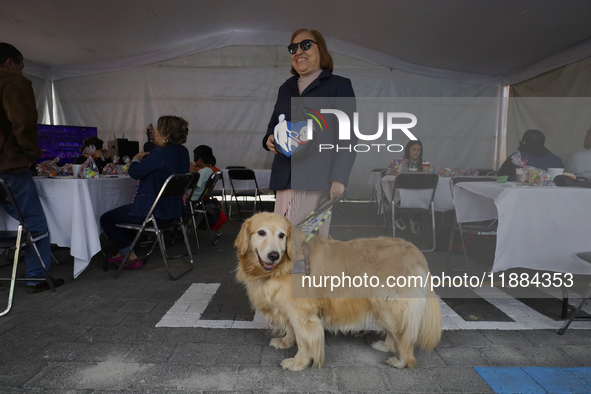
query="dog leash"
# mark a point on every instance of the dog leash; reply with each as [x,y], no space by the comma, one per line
[312,223]
[315,219]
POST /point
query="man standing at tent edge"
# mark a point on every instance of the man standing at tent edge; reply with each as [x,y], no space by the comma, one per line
[18,150]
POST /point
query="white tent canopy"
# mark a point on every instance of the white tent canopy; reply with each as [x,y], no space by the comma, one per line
[119,65]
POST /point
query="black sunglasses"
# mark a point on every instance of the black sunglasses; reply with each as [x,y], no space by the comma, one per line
[305,45]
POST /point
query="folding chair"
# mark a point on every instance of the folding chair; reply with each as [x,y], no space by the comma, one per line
[198,207]
[584,258]
[175,185]
[415,182]
[18,239]
[374,195]
[487,227]
[243,175]
[221,193]
[383,205]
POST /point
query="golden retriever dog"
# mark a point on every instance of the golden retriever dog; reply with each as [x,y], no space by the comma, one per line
[268,244]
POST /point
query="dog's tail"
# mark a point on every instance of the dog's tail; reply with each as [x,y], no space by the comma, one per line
[430,332]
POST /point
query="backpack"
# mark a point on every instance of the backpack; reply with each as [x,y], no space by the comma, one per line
[215,216]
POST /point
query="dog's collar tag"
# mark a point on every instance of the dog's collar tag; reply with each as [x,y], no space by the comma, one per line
[306,250]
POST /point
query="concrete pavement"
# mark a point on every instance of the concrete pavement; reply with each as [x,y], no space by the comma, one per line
[100,335]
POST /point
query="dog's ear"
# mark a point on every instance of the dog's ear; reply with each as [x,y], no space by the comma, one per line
[295,239]
[243,237]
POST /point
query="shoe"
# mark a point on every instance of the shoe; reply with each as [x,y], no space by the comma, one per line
[42,286]
[414,226]
[136,265]
[114,260]
[132,265]
[400,224]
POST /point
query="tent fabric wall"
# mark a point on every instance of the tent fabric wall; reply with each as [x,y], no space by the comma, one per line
[42,90]
[558,103]
[227,95]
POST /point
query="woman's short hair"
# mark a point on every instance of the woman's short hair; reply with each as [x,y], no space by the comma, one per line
[94,141]
[325,58]
[173,129]
[534,138]
[206,153]
[409,145]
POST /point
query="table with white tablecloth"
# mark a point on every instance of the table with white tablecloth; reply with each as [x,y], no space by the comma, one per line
[442,201]
[539,227]
[73,208]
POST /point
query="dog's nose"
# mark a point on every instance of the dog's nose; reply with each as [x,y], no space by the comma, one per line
[273,256]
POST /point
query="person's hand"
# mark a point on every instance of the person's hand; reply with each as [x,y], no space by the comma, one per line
[336,189]
[271,143]
[105,153]
[140,155]
[192,167]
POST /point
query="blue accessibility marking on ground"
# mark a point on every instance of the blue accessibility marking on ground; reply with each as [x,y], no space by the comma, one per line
[536,379]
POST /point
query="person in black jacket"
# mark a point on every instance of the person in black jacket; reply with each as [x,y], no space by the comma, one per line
[301,180]
[101,156]
[533,153]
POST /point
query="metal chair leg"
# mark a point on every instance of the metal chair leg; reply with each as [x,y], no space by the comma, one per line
[573,315]
[465,250]
[194,220]
[13,276]
[165,257]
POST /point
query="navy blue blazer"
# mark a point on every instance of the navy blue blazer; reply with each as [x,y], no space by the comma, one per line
[152,172]
[317,170]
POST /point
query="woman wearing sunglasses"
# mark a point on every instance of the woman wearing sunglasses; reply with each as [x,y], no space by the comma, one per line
[315,173]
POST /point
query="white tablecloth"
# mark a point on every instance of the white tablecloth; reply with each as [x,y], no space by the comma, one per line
[73,208]
[263,179]
[442,200]
[539,227]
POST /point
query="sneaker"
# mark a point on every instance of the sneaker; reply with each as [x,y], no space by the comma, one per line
[414,226]
[42,286]
[400,225]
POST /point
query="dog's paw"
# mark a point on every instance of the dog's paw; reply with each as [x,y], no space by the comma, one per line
[381,346]
[281,343]
[396,362]
[293,365]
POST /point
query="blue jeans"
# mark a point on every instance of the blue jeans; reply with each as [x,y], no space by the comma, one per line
[26,197]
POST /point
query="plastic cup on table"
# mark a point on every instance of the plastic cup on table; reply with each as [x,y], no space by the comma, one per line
[76,170]
[120,169]
[426,166]
[554,172]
